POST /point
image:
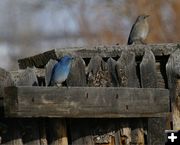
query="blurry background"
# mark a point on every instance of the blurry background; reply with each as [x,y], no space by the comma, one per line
[28,27]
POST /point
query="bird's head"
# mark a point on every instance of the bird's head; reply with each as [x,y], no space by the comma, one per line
[66,59]
[142,17]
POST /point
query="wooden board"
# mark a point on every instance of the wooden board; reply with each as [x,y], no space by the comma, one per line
[156,126]
[40,60]
[85,102]
[173,72]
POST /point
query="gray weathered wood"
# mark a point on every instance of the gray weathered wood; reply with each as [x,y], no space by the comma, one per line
[148,70]
[126,70]
[5,81]
[173,71]
[77,75]
[39,60]
[12,133]
[88,52]
[156,126]
[31,131]
[27,78]
[86,102]
[97,73]
[112,70]
[48,70]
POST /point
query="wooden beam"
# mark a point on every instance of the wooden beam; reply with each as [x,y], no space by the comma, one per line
[85,102]
[41,60]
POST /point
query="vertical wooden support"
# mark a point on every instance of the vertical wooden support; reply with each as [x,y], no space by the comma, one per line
[56,127]
[78,132]
[57,131]
[9,128]
[156,126]
[126,71]
[30,129]
[173,72]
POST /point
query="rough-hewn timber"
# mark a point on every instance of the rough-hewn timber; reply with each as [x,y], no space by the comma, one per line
[41,60]
[86,102]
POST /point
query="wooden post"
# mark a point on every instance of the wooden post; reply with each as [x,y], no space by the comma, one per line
[156,126]
[126,71]
[11,126]
[30,129]
[173,72]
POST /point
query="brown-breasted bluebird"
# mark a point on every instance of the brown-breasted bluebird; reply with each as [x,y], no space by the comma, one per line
[139,30]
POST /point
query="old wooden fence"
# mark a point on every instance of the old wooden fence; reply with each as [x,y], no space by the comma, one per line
[116,95]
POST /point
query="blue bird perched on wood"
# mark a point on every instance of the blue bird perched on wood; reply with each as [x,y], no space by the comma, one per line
[139,30]
[60,71]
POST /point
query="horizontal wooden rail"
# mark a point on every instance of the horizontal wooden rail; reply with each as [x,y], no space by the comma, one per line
[79,102]
[41,60]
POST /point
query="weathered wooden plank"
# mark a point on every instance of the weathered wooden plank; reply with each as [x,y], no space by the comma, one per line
[127,75]
[31,134]
[9,129]
[173,72]
[5,80]
[85,102]
[97,73]
[75,128]
[48,70]
[27,78]
[148,70]
[112,70]
[77,75]
[40,60]
[37,60]
[156,126]
[126,70]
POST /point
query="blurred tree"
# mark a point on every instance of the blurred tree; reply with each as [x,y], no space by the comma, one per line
[30,27]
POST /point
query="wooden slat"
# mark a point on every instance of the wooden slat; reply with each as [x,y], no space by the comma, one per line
[127,75]
[98,73]
[156,126]
[173,72]
[40,60]
[77,75]
[126,70]
[85,102]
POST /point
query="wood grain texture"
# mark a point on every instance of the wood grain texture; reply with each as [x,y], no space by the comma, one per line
[9,128]
[77,75]
[41,60]
[112,71]
[173,72]
[27,78]
[97,73]
[126,70]
[48,70]
[86,102]
[148,70]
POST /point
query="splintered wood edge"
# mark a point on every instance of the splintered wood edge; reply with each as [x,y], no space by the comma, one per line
[40,60]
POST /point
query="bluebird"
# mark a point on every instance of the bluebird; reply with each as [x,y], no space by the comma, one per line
[139,30]
[60,71]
